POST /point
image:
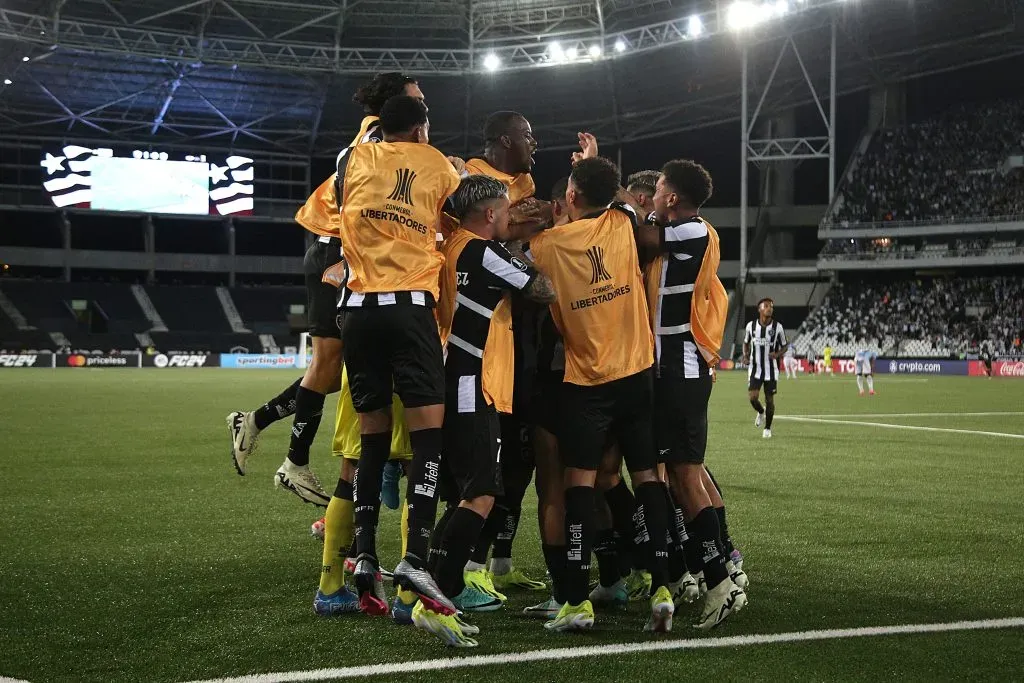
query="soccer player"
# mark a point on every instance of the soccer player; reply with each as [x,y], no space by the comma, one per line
[827,358]
[864,366]
[642,186]
[688,307]
[607,394]
[762,342]
[789,362]
[509,150]
[475,317]
[391,197]
[305,397]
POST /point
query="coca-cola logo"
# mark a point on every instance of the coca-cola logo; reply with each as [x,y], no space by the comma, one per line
[1011,369]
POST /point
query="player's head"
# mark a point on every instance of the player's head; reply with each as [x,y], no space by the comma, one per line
[481,205]
[509,142]
[404,119]
[559,208]
[642,186]
[382,88]
[682,189]
[766,307]
[592,186]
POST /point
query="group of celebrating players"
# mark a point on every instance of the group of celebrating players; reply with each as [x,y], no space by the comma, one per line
[480,336]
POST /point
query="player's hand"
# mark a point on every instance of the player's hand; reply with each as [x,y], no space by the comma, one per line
[588,148]
[459,164]
[529,210]
[745,360]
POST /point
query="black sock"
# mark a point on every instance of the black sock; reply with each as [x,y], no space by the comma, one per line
[622,505]
[492,527]
[460,533]
[375,449]
[344,490]
[579,535]
[437,536]
[769,414]
[704,528]
[723,528]
[651,515]
[676,558]
[757,406]
[554,558]
[277,408]
[421,493]
[607,557]
[309,408]
[507,534]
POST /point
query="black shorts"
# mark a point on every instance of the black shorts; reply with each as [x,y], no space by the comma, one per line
[770,385]
[681,418]
[618,411]
[471,455]
[545,407]
[393,349]
[321,298]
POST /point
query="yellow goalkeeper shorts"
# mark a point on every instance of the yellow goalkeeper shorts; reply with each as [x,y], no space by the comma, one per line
[346,427]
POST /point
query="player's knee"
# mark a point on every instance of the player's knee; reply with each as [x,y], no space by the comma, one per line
[644,477]
[375,421]
[481,505]
[606,480]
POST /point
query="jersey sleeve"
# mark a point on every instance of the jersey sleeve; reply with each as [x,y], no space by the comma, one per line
[341,167]
[780,338]
[747,334]
[686,238]
[497,267]
[622,207]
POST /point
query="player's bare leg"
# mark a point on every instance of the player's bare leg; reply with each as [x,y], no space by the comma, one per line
[755,402]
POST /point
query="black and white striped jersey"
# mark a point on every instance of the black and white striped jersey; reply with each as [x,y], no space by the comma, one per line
[683,246]
[763,341]
[484,272]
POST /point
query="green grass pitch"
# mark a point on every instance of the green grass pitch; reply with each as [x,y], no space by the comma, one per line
[131,551]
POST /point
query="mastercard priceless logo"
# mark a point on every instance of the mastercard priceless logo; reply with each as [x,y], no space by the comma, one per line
[76,361]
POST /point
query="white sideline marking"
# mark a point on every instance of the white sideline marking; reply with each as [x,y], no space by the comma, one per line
[908,414]
[885,425]
[4,679]
[614,649]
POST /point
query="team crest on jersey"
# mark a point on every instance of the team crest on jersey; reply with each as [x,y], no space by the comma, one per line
[518,264]
[403,186]
[596,256]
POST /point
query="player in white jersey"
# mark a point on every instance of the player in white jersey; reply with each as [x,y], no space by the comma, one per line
[762,344]
[864,366]
[790,363]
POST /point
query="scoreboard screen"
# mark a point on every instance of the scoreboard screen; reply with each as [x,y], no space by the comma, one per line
[148,181]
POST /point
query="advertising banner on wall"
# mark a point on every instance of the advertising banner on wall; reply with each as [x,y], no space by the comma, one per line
[182,360]
[82,360]
[1000,368]
[258,360]
[26,360]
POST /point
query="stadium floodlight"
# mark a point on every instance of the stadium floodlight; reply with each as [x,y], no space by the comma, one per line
[572,53]
[492,62]
[744,14]
[781,8]
[694,27]
[555,52]
[25,59]
[620,45]
[595,51]
[7,81]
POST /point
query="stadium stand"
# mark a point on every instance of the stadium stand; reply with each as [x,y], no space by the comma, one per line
[265,310]
[954,166]
[189,308]
[926,247]
[922,317]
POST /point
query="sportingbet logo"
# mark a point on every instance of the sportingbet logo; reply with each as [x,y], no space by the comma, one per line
[180,360]
[18,361]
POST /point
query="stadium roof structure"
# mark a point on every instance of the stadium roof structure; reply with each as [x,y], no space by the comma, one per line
[277,76]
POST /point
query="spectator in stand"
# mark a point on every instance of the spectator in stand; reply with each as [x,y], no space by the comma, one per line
[954,315]
[952,166]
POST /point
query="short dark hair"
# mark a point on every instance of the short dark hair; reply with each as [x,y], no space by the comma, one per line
[401,113]
[559,188]
[382,88]
[474,190]
[689,179]
[646,180]
[597,179]
[498,124]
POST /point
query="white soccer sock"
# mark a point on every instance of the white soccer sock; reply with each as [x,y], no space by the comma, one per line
[860,384]
[871,382]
